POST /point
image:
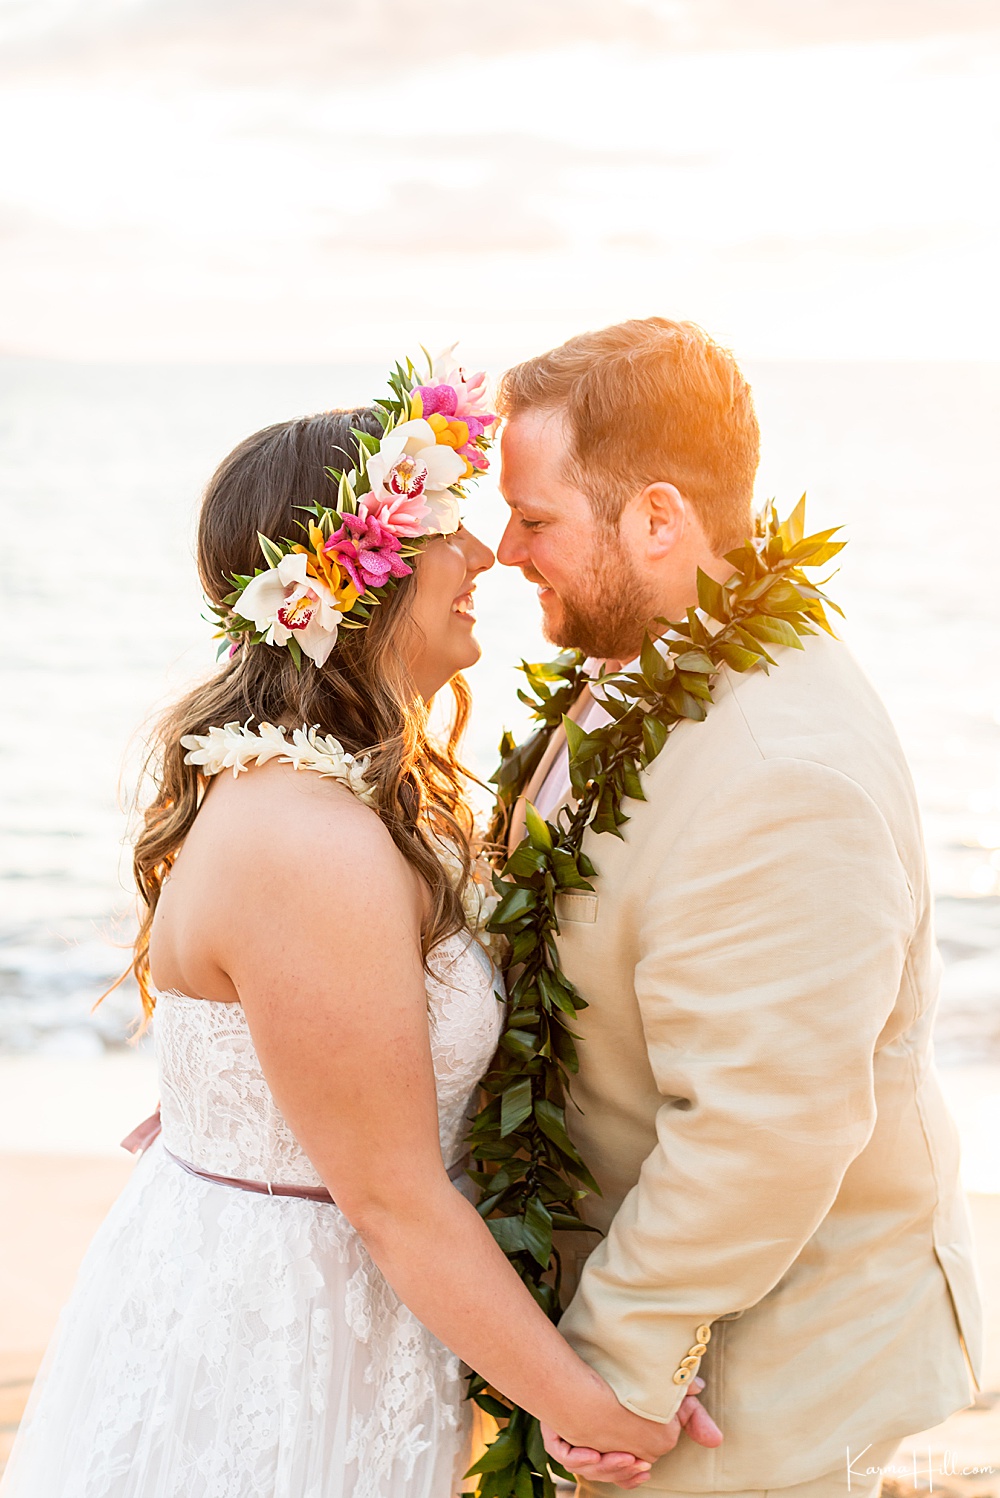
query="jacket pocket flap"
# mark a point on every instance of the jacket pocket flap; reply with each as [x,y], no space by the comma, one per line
[577,906]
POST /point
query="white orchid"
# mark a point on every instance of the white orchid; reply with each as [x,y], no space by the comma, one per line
[285,602]
[410,478]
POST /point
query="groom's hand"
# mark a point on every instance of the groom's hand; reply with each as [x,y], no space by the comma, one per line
[620,1467]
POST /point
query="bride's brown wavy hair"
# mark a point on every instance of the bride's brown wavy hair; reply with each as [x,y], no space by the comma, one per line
[363,695]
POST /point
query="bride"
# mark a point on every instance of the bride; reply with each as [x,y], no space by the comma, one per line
[280,1301]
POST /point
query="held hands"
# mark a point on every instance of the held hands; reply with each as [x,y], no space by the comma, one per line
[624,1469]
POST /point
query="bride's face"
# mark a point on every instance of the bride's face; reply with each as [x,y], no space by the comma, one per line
[442,613]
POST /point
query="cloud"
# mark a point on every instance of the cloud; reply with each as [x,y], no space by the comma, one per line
[494,218]
[506,193]
[325,43]
[150,205]
[871,246]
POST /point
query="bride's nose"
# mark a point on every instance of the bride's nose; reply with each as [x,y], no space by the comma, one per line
[478,556]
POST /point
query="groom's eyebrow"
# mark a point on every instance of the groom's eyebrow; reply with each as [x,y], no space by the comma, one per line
[535,508]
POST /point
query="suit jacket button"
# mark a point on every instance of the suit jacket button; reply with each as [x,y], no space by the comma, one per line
[690,1362]
[698,1350]
[703,1334]
[683,1376]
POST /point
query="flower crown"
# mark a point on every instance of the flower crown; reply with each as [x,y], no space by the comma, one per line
[435,436]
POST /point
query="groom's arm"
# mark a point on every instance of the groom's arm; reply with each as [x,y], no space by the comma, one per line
[771,953]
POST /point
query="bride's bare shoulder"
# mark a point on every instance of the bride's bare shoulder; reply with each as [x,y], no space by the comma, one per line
[278,812]
[271,860]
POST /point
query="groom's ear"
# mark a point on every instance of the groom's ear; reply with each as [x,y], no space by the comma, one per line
[665,517]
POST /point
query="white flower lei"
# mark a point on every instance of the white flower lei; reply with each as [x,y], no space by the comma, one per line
[236,747]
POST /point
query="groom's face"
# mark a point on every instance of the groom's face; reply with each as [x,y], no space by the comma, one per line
[591,594]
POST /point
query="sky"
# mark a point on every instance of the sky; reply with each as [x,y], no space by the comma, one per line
[300,180]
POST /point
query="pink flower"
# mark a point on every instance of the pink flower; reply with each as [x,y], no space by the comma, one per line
[470,390]
[368,551]
[475,455]
[445,400]
[472,401]
[479,424]
[403,515]
[436,399]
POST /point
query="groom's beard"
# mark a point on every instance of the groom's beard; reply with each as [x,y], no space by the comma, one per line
[607,614]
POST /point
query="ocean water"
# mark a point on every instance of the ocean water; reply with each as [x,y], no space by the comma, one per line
[101,468]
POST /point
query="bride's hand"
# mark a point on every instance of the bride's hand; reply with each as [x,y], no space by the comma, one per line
[624,1469]
[617,1467]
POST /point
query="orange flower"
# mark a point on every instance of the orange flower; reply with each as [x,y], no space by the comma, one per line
[329,571]
[450,431]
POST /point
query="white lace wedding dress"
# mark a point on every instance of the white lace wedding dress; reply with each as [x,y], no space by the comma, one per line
[221,1344]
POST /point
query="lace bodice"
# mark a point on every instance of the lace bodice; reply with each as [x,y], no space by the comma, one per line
[216,1107]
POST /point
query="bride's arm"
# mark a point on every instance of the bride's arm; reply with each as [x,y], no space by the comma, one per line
[324,952]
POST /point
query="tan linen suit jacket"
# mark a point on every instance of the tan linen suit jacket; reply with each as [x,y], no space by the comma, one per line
[781,1204]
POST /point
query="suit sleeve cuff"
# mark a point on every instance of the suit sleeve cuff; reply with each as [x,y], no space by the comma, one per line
[660,1401]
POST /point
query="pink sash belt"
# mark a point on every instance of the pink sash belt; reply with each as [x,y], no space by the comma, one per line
[263,1188]
[143,1134]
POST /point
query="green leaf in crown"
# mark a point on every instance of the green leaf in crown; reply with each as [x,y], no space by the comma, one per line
[530,1176]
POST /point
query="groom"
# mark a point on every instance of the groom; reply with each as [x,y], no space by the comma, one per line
[780,1201]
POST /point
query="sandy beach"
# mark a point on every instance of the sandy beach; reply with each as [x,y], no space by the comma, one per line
[61,1168]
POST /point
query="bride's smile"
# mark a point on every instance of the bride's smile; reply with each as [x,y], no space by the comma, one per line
[464,605]
[443,613]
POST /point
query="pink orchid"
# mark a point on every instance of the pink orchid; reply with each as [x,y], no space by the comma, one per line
[479,424]
[447,401]
[368,551]
[436,399]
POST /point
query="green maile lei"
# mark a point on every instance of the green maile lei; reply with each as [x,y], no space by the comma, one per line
[530,1176]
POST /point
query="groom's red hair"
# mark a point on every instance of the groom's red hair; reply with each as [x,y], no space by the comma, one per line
[650,400]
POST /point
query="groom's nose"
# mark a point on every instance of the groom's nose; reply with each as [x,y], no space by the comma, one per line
[511,552]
